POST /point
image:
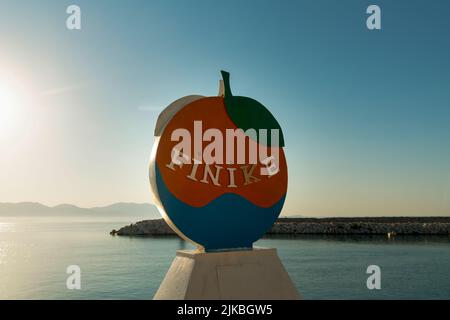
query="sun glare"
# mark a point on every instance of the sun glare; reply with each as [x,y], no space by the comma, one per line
[10,103]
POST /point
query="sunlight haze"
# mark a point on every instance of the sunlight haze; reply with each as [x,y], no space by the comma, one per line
[365,115]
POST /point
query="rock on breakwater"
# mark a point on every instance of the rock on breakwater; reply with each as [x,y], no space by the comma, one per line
[145,227]
[378,225]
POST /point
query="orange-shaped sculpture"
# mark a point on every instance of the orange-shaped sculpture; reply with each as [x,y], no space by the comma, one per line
[218,169]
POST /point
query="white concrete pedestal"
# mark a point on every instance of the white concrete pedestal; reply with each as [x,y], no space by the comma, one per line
[247,274]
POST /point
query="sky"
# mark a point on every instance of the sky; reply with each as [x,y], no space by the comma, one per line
[365,113]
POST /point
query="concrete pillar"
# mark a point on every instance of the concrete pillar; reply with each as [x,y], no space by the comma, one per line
[246,274]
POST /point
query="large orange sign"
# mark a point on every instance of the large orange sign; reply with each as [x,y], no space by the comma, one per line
[218,169]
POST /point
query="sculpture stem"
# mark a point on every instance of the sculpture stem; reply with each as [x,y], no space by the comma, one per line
[226,82]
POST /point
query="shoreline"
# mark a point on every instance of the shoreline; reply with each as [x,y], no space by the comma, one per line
[336,226]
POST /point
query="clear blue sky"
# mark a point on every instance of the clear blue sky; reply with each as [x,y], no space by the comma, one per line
[366,114]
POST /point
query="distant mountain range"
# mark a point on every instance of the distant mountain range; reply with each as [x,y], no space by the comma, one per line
[147,210]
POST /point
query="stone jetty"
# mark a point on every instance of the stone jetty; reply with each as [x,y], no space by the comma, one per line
[377,225]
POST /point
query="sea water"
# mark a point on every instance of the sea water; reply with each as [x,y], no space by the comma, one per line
[35,254]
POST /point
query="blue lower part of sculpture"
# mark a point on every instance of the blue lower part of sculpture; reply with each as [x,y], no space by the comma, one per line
[229,222]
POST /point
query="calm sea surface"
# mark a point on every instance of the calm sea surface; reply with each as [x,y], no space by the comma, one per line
[34,255]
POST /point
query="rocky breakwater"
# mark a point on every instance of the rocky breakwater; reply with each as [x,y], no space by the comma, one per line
[379,225]
[382,225]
